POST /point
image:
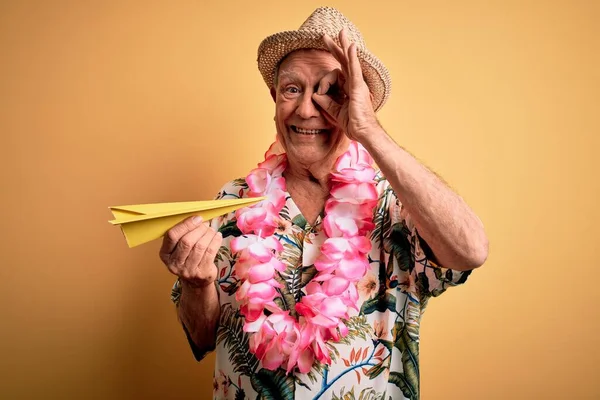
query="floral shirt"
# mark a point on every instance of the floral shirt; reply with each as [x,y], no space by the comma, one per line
[379,358]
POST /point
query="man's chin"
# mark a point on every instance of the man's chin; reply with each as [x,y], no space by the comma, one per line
[316,150]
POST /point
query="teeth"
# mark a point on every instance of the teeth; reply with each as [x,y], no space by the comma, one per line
[308,131]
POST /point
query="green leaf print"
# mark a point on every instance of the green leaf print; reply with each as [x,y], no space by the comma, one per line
[286,300]
[241,182]
[289,280]
[399,247]
[388,345]
[398,379]
[230,229]
[423,284]
[223,254]
[236,341]
[383,301]
[298,381]
[408,380]
[273,385]
[344,395]
[300,221]
[231,289]
[370,394]
[413,316]
[308,273]
[376,370]
[285,212]
[381,218]
[439,275]
[365,394]
[240,394]
[358,326]
[293,279]
[380,221]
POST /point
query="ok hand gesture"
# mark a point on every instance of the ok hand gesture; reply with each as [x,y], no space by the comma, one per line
[344,94]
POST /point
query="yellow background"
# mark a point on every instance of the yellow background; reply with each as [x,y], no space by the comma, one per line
[121,102]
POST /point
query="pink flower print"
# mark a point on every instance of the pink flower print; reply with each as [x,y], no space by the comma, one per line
[325,314]
[265,271]
[368,286]
[253,251]
[406,283]
[284,226]
[249,219]
[274,341]
[355,156]
[380,329]
[351,175]
[346,219]
[340,226]
[261,290]
[275,164]
[320,349]
[221,384]
[344,257]
[335,285]
[267,176]
[359,192]
[258,181]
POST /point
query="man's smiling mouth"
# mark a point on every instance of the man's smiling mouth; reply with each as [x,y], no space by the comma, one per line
[308,131]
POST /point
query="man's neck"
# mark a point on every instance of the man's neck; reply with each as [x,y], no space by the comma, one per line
[309,189]
[309,177]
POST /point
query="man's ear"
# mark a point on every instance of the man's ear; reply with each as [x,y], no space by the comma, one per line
[273,94]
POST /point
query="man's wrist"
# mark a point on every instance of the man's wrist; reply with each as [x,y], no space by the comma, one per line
[373,137]
[195,287]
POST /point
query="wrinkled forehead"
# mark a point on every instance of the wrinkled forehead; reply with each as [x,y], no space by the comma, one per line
[308,55]
[313,60]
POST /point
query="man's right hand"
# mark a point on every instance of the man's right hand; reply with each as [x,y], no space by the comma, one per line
[189,249]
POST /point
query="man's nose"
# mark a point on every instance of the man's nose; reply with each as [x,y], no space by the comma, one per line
[307,108]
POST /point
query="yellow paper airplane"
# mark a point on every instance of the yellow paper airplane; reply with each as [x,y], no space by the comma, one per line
[142,223]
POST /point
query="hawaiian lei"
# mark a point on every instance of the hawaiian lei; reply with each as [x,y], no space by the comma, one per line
[276,338]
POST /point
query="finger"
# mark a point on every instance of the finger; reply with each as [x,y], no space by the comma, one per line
[355,73]
[345,43]
[326,82]
[200,247]
[185,246]
[177,232]
[337,52]
[212,250]
[333,79]
[346,46]
[333,48]
[327,104]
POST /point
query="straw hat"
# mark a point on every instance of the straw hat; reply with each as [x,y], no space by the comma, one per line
[309,36]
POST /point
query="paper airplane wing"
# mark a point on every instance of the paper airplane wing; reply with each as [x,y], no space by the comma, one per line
[142,223]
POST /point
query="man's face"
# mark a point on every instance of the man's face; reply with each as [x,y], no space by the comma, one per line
[307,136]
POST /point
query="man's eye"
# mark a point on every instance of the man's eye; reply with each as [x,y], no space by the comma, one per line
[292,90]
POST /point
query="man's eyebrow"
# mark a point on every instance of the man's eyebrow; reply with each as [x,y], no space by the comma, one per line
[289,75]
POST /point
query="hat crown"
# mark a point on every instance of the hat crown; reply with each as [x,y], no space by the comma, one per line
[324,20]
[331,21]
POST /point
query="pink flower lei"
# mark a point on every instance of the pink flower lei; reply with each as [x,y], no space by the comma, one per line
[276,338]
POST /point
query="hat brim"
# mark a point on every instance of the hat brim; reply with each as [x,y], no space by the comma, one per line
[276,47]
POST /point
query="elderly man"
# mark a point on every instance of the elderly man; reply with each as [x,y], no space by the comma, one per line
[317,291]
